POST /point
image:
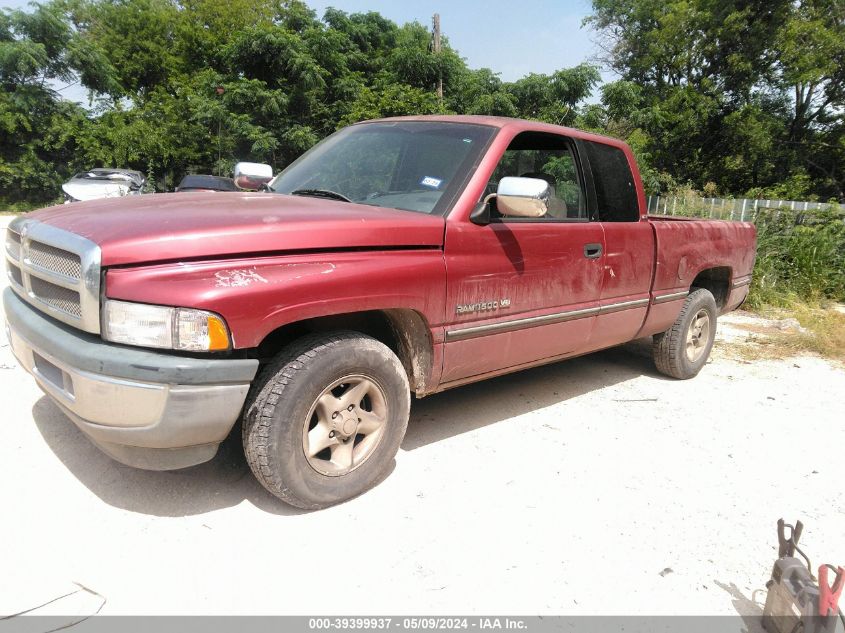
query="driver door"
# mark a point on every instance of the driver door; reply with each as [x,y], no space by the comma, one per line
[521,290]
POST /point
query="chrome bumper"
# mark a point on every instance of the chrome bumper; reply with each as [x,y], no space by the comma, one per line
[145,409]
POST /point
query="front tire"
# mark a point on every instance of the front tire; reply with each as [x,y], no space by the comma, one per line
[683,349]
[325,419]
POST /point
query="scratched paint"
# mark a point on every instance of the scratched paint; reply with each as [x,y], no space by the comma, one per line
[237,278]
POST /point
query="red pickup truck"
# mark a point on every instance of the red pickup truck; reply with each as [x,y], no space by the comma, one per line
[398,256]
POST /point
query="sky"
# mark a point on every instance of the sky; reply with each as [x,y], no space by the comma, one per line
[511,37]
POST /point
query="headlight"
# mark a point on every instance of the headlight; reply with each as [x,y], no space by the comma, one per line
[162,326]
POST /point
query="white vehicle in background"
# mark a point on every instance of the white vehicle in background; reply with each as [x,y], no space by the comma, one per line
[103,183]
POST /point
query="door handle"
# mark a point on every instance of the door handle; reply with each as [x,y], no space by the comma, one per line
[592,251]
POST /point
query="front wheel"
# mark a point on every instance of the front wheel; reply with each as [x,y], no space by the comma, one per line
[683,349]
[325,419]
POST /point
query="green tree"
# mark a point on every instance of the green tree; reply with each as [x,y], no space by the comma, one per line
[193,85]
[36,50]
[554,98]
[743,94]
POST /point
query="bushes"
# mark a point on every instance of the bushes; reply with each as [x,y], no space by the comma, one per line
[800,254]
[800,257]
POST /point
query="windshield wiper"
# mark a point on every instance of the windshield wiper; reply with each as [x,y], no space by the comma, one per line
[382,194]
[320,193]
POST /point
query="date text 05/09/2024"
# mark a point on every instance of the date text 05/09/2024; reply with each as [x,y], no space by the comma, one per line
[417,623]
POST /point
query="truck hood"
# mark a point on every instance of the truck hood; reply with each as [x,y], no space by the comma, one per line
[179,226]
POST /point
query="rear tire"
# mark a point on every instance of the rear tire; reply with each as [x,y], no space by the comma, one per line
[683,349]
[325,419]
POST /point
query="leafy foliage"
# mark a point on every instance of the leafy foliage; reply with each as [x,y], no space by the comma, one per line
[195,85]
[748,95]
[799,258]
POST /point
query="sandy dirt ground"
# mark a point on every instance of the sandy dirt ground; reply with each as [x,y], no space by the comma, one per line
[593,486]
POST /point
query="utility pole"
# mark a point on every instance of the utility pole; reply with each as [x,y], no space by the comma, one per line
[219,90]
[436,21]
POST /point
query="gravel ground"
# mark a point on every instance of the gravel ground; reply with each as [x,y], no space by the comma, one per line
[593,486]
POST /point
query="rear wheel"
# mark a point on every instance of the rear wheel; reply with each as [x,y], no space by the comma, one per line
[683,349]
[325,419]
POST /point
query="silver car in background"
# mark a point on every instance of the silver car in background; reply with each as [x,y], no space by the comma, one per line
[103,183]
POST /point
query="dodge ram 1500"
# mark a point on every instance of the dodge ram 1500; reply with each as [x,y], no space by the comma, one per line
[400,256]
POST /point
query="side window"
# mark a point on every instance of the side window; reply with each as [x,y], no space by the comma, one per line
[616,196]
[550,158]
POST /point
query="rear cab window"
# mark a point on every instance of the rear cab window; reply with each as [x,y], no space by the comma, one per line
[616,196]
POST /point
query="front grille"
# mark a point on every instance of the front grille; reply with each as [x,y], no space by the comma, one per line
[13,243]
[54,259]
[55,271]
[15,274]
[57,297]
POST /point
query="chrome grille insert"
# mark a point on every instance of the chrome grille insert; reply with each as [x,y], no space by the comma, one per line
[55,271]
[13,244]
[54,259]
[53,295]
[15,274]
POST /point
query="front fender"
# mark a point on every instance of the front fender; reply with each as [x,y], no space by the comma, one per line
[260,294]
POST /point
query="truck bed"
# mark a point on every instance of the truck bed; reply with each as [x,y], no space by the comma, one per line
[685,246]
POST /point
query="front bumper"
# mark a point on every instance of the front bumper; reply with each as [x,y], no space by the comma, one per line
[145,409]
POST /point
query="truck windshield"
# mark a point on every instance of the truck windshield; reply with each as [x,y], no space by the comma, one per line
[411,165]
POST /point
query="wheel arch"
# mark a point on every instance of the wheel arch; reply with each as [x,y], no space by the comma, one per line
[405,331]
[717,280]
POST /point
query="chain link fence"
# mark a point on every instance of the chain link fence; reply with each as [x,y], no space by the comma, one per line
[738,209]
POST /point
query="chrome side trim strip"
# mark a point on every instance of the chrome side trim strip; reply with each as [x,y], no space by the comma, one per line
[670,297]
[546,319]
[741,282]
[518,324]
[623,305]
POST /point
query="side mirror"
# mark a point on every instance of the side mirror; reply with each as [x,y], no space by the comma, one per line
[252,175]
[523,197]
[480,215]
